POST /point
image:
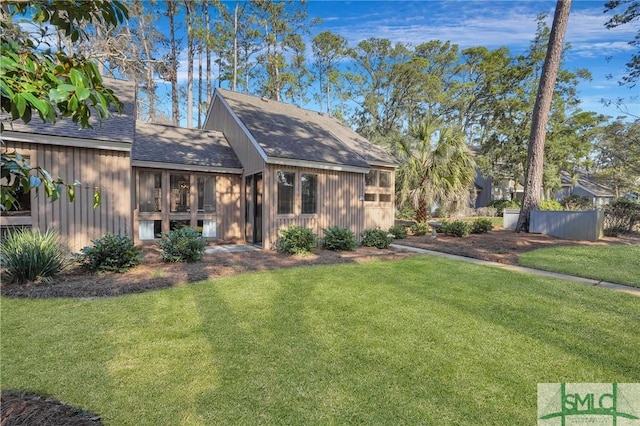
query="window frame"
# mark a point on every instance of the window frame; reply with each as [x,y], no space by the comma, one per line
[280,202]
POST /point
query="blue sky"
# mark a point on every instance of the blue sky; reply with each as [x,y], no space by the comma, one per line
[493,24]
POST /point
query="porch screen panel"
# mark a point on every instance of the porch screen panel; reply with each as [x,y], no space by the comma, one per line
[180,189]
[286,192]
[150,192]
[206,194]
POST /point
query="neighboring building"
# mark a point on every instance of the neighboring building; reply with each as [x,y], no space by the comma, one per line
[259,166]
[583,185]
[488,189]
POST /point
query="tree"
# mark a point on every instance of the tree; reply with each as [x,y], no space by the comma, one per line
[631,14]
[535,158]
[617,159]
[436,167]
[55,84]
[171,73]
[328,49]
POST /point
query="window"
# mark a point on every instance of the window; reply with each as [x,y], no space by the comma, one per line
[384,198]
[150,191]
[286,192]
[206,194]
[149,229]
[369,196]
[207,228]
[309,193]
[180,188]
[371,178]
[22,204]
[385,180]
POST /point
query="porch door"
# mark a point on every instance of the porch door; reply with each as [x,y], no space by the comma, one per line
[253,208]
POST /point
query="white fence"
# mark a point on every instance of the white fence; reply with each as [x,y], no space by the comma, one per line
[574,225]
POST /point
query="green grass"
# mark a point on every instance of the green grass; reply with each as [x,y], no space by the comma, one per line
[614,263]
[423,340]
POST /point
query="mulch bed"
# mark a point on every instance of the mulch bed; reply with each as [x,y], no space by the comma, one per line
[29,409]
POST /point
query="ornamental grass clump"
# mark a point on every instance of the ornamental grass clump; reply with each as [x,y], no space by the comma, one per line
[30,256]
[111,253]
[182,245]
[336,238]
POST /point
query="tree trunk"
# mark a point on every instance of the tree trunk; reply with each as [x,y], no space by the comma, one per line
[187,6]
[235,46]
[208,50]
[535,158]
[173,72]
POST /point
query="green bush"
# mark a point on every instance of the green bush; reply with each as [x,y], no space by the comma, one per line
[457,228]
[336,238]
[398,231]
[420,228]
[29,255]
[376,238]
[550,205]
[500,205]
[621,216]
[481,226]
[297,240]
[113,253]
[182,245]
[576,202]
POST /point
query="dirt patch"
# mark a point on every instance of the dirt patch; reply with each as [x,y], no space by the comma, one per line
[503,245]
[154,274]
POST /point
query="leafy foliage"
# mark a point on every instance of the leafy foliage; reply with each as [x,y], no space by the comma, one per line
[457,228]
[623,215]
[500,205]
[29,255]
[481,226]
[111,253]
[336,238]
[297,240]
[576,202]
[376,238]
[182,245]
[398,231]
[420,228]
[550,205]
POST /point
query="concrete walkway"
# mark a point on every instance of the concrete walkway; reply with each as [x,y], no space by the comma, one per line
[230,248]
[603,284]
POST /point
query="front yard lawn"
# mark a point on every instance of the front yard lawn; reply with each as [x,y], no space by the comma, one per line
[618,263]
[423,340]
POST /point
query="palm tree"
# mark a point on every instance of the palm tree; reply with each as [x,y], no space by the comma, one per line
[436,167]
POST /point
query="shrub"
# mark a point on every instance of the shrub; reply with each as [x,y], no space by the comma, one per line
[576,202]
[500,205]
[487,211]
[481,226]
[29,255]
[420,228]
[336,238]
[376,238]
[623,215]
[457,228]
[550,205]
[182,245]
[398,231]
[297,240]
[114,253]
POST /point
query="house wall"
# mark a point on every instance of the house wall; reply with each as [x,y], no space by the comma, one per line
[228,214]
[221,120]
[339,203]
[79,223]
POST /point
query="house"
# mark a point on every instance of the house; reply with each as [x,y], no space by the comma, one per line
[256,167]
[583,184]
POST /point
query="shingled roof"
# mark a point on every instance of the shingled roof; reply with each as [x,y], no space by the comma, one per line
[116,128]
[586,182]
[160,143]
[285,131]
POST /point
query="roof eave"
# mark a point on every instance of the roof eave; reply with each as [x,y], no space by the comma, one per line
[186,167]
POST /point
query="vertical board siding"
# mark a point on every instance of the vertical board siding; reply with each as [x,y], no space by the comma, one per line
[338,203]
[79,223]
[222,121]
